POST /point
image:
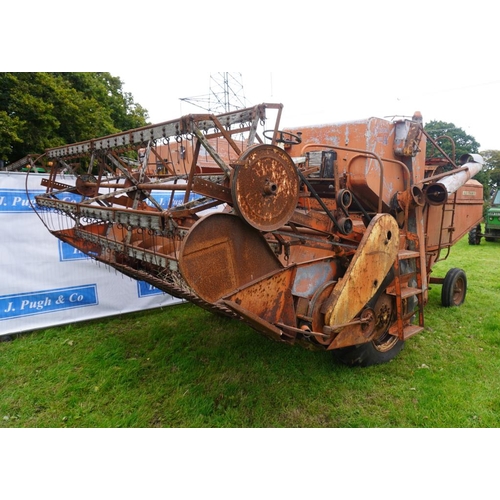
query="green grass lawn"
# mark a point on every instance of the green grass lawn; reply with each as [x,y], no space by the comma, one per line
[184,367]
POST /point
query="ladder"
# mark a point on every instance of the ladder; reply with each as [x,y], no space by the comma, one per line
[447,231]
[407,268]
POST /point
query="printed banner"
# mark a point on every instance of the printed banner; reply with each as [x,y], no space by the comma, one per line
[45,282]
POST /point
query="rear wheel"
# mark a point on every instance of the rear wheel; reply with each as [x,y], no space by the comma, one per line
[454,288]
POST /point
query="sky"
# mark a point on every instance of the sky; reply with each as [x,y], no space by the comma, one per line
[326,62]
[472,105]
[345,61]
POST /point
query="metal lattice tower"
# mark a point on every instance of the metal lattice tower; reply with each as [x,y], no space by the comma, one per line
[226,94]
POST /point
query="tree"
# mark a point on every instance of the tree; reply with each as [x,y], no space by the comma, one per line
[43,110]
[455,142]
[491,169]
[441,132]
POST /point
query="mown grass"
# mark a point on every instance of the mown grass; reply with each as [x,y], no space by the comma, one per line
[185,367]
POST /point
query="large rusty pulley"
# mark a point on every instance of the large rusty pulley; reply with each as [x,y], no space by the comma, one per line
[265,187]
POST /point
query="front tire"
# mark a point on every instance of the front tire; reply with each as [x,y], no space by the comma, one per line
[375,352]
[475,235]
[383,347]
[454,288]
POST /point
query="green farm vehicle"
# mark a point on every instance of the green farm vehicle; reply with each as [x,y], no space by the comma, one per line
[491,223]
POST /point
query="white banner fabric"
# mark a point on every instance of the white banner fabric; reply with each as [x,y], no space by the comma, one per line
[45,282]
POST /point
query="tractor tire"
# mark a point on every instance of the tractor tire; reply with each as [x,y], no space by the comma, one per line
[454,288]
[371,353]
[383,347]
[475,235]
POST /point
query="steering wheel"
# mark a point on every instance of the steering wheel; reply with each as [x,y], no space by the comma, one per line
[283,137]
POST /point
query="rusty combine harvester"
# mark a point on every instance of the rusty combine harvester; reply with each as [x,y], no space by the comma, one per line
[323,236]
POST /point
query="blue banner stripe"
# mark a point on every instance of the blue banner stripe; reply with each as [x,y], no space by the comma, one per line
[46,301]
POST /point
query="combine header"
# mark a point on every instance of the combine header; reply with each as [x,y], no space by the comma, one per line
[322,236]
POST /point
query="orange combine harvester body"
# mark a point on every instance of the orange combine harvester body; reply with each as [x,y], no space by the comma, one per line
[324,236]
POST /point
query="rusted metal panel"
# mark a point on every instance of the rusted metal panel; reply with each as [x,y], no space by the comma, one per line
[448,223]
[373,260]
[221,254]
[269,297]
[310,276]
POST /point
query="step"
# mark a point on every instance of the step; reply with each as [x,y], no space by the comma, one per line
[406,292]
[411,314]
[408,254]
[411,330]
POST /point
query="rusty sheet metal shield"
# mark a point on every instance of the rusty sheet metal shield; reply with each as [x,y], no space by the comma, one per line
[266,302]
[375,256]
[221,254]
[265,187]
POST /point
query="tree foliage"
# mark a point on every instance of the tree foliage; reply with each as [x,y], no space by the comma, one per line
[492,169]
[43,110]
[444,133]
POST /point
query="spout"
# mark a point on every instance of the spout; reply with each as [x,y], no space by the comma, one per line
[438,192]
[453,181]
